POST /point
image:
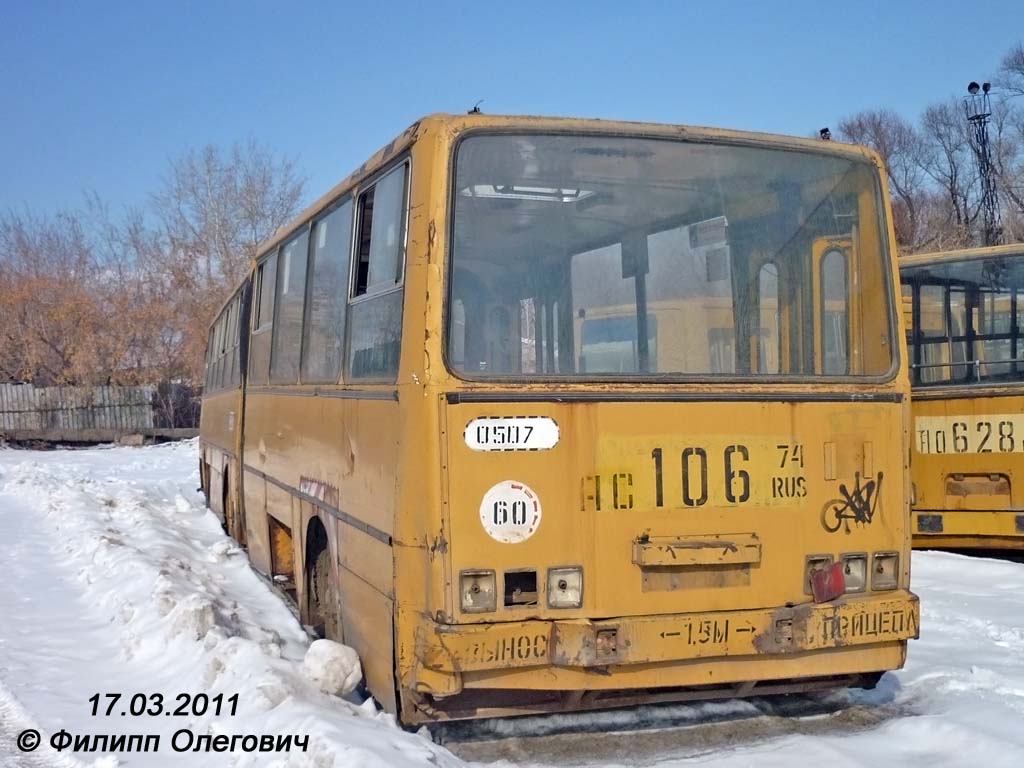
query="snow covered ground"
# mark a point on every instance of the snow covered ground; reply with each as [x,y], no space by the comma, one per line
[116,579]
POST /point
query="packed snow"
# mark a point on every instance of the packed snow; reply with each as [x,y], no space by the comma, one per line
[117,579]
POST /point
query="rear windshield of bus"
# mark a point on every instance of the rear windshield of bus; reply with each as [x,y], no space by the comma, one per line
[613,257]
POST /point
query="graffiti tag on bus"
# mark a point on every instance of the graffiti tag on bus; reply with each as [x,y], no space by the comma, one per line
[858,504]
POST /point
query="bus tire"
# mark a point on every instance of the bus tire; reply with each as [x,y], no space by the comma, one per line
[323,599]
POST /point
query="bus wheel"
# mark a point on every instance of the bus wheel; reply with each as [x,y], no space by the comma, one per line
[324,603]
[869,681]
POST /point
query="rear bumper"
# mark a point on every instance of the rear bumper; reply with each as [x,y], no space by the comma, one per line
[974,528]
[444,652]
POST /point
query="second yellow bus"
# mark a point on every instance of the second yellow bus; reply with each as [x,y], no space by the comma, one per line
[967,360]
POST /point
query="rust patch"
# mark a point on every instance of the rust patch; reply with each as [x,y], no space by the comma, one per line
[786,631]
[694,551]
[320,490]
[576,649]
[725,546]
[669,578]
[492,647]
[438,546]
[978,485]
[282,551]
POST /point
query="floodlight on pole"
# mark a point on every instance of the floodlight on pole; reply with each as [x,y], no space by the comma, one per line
[978,110]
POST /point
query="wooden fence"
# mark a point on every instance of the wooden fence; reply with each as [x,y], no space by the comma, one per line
[81,414]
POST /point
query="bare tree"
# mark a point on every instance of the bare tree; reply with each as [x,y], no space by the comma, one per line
[933,168]
[48,308]
[949,160]
[1007,139]
[898,144]
[1011,71]
[214,209]
[217,206]
[89,299]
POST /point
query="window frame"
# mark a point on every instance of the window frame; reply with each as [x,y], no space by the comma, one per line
[357,223]
[293,237]
[353,303]
[886,264]
[307,317]
[257,328]
[256,323]
[209,357]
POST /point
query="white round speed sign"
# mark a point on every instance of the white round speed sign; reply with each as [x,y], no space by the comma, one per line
[510,512]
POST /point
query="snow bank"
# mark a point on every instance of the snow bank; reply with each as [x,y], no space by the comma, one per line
[154,582]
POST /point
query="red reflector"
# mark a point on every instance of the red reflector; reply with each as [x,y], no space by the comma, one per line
[828,583]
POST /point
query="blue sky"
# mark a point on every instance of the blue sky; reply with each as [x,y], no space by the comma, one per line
[101,95]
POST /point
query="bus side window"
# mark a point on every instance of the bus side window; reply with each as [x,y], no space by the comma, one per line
[324,342]
[229,346]
[375,309]
[235,347]
[288,306]
[933,332]
[907,292]
[221,344]
[262,321]
[958,305]
[215,356]
[209,357]
[222,348]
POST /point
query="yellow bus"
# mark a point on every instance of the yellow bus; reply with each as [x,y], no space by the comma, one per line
[550,414]
[220,417]
[967,376]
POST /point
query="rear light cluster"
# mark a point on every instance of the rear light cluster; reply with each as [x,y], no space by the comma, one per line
[882,575]
[479,589]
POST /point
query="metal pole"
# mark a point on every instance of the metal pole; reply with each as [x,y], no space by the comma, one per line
[979,110]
